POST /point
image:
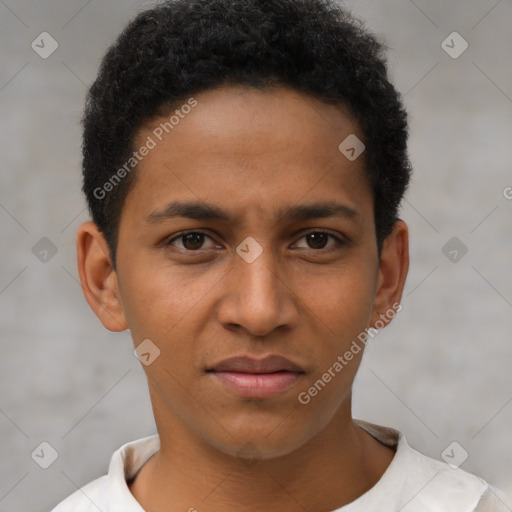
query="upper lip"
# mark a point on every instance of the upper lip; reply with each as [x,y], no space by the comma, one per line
[244,364]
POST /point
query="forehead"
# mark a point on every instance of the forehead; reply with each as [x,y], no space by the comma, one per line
[249,150]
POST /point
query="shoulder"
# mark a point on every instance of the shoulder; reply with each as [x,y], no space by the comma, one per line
[492,502]
[89,498]
[435,485]
[416,482]
[111,492]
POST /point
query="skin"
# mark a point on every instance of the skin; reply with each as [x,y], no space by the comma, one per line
[249,152]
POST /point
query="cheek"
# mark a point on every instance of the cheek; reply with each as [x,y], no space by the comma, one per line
[344,303]
[159,300]
[343,312]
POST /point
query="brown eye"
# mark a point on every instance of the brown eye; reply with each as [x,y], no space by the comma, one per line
[191,241]
[318,240]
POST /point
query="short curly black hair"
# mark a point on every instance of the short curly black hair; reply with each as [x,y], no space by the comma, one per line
[182,47]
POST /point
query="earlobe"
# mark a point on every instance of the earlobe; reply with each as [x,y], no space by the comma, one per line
[393,268]
[98,278]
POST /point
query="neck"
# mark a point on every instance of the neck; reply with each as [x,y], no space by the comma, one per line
[329,471]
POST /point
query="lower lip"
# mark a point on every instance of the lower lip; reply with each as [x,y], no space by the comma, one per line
[257,385]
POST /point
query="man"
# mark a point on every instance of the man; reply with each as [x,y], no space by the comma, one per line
[244,162]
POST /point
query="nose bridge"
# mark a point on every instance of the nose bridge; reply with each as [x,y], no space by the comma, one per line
[257,274]
[261,300]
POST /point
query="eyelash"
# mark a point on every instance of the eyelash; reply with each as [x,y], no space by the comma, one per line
[339,241]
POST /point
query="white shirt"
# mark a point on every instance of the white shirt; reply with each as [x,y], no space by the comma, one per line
[412,482]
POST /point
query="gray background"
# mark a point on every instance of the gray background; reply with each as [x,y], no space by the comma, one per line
[441,372]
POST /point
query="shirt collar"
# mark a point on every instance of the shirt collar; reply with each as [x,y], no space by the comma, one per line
[124,465]
[400,487]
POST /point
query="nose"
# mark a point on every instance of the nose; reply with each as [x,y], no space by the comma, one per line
[259,297]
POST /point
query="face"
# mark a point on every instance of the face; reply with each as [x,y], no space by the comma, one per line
[247,256]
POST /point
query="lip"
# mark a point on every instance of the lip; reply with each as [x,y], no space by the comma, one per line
[244,364]
[256,378]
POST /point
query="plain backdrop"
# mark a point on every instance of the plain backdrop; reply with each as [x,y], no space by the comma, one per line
[441,372]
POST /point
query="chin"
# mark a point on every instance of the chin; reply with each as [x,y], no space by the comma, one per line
[260,444]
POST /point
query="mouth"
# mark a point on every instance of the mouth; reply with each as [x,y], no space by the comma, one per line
[256,378]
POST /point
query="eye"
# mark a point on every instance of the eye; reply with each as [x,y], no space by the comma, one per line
[317,240]
[191,241]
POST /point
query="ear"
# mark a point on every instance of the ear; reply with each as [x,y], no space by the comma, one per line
[98,278]
[393,268]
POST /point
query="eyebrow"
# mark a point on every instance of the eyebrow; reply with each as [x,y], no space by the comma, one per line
[199,210]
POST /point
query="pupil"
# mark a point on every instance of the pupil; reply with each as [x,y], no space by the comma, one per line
[318,238]
[195,238]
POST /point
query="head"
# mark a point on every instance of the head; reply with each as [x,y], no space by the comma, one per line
[245,106]
[174,51]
